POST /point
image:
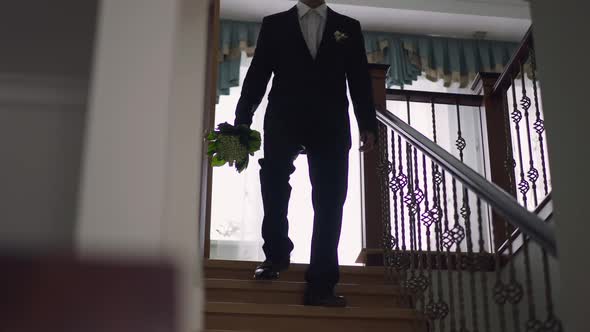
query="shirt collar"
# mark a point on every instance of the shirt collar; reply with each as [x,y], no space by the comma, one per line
[303,9]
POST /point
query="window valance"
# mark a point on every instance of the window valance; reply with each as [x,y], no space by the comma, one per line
[451,60]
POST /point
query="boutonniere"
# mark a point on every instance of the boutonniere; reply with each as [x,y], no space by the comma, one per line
[340,36]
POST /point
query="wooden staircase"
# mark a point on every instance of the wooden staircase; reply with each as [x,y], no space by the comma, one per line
[235,302]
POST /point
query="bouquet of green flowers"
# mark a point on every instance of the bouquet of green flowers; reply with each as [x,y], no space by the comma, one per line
[233,145]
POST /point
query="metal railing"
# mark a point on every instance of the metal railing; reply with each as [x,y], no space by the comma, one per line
[499,199]
[471,254]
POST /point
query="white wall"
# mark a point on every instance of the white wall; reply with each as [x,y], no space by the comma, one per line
[44,69]
[559,29]
[499,8]
[141,177]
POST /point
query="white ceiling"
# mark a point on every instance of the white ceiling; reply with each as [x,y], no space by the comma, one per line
[501,19]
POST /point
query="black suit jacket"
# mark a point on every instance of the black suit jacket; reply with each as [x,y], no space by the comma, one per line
[309,94]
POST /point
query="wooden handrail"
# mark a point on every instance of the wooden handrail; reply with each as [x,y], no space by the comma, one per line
[434,97]
[544,211]
[513,68]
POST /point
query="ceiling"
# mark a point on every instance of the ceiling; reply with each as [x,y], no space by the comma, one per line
[500,19]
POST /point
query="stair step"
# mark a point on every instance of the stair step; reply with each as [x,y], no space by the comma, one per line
[283,292]
[218,269]
[294,318]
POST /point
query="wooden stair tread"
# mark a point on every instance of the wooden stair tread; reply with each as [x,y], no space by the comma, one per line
[292,286]
[300,311]
[250,266]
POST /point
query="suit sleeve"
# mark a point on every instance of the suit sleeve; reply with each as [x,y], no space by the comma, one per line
[360,83]
[254,87]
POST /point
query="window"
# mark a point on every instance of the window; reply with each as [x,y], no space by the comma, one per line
[236,211]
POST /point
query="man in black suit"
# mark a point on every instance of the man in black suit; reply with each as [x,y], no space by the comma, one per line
[312,51]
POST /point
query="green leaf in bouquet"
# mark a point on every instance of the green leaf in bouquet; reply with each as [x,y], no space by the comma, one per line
[212,136]
[255,141]
[212,149]
[254,146]
[217,162]
[255,135]
[242,165]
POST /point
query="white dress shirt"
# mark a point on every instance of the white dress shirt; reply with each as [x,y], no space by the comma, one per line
[313,23]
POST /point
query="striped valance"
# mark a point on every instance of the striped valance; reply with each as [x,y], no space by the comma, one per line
[448,59]
[409,56]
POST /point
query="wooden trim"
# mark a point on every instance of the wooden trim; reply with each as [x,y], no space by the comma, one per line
[208,124]
[513,67]
[306,312]
[497,145]
[435,97]
[376,255]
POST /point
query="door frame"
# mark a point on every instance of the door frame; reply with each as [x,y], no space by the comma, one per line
[208,124]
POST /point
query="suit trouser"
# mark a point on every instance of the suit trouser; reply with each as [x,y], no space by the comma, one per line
[328,171]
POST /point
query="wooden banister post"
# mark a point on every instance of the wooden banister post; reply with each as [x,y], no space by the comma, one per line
[498,143]
[371,206]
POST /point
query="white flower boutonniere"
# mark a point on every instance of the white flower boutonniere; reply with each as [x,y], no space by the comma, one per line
[340,36]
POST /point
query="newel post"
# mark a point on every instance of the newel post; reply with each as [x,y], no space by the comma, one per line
[372,205]
[498,140]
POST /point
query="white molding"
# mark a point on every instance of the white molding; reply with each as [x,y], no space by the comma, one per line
[18,89]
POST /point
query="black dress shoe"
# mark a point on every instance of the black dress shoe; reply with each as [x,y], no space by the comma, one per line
[326,300]
[270,271]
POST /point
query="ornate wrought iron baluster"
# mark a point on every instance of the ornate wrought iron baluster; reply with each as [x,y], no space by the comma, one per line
[460,143]
[408,200]
[411,216]
[484,278]
[411,206]
[447,243]
[523,185]
[513,290]
[395,186]
[500,288]
[510,163]
[525,103]
[552,323]
[421,282]
[437,309]
[385,169]
[402,182]
[532,324]
[457,234]
[470,262]
[460,231]
[428,218]
[539,124]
